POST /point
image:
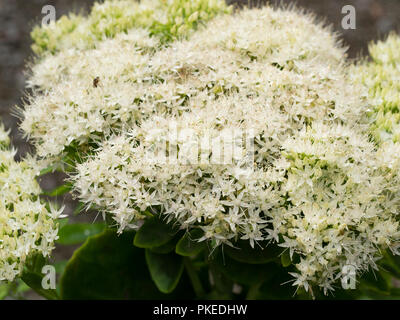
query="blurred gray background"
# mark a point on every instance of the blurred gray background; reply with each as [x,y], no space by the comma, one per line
[375,18]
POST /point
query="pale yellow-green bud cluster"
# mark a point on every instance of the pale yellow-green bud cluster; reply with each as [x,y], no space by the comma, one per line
[27,227]
[381,76]
[166,20]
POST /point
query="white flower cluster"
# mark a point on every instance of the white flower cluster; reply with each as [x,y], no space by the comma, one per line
[27,227]
[65,107]
[381,76]
[315,185]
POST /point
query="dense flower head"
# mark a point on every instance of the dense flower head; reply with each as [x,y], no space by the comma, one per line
[381,76]
[27,227]
[309,179]
[166,19]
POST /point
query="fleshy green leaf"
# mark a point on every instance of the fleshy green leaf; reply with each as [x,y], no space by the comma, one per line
[60,190]
[4,287]
[21,287]
[107,266]
[275,287]
[47,170]
[32,276]
[60,266]
[222,285]
[62,223]
[34,280]
[391,263]
[188,246]
[246,254]
[78,232]
[50,169]
[153,233]
[165,248]
[374,282]
[242,273]
[165,270]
